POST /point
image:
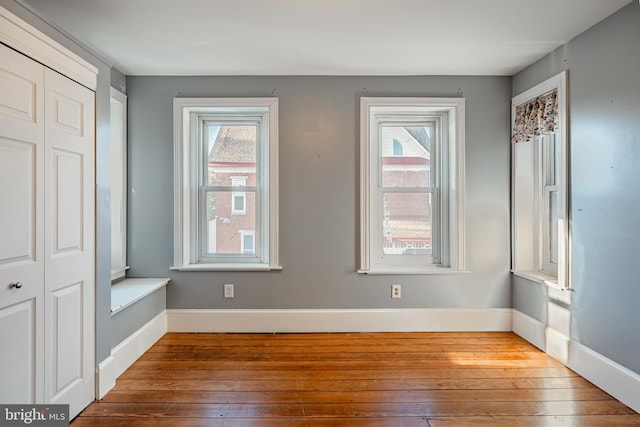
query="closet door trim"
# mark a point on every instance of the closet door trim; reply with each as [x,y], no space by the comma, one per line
[19,35]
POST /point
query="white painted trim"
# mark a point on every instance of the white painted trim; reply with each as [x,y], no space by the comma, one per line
[130,291]
[529,328]
[356,320]
[615,379]
[185,112]
[21,36]
[525,257]
[557,345]
[128,351]
[452,195]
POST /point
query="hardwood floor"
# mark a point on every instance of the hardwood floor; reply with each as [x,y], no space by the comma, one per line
[359,379]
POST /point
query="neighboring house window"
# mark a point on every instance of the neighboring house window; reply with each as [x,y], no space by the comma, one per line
[539,184]
[239,198]
[248,238]
[226,184]
[412,185]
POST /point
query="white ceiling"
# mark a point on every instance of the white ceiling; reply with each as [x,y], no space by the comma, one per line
[324,37]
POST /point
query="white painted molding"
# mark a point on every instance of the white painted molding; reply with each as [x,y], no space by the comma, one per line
[557,345]
[21,36]
[356,320]
[615,379]
[128,351]
[529,328]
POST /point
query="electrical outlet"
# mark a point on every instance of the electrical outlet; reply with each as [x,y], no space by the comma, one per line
[228,290]
[396,291]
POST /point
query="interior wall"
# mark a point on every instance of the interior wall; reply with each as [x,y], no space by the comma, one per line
[319,194]
[604,104]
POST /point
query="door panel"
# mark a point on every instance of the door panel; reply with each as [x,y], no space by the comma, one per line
[18,194]
[18,345]
[21,228]
[67,334]
[67,209]
[69,243]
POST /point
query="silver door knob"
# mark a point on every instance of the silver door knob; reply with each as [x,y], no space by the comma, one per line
[16,285]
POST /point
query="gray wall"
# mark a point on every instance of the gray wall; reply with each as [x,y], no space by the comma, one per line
[126,322]
[103,192]
[319,194]
[604,102]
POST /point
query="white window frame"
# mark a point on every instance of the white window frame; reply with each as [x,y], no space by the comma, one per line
[531,165]
[449,218]
[189,114]
[118,114]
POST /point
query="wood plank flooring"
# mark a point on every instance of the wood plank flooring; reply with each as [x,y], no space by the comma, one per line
[355,380]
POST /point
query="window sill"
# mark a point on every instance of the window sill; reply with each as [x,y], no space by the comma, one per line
[129,291]
[227,267]
[538,277]
[420,271]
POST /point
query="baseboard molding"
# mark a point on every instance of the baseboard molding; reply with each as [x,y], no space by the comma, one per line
[615,379]
[529,328]
[128,351]
[327,320]
[611,377]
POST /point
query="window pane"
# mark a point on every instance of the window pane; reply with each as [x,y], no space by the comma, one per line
[231,151]
[406,155]
[223,228]
[553,227]
[407,223]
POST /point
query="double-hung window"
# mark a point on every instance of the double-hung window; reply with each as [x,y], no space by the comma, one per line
[412,185]
[226,184]
[540,227]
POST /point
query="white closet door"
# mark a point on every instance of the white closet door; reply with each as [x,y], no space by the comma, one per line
[21,228]
[69,242]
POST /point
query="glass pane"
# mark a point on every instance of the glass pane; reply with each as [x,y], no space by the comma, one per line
[231,151]
[223,226]
[406,226]
[406,155]
[553,227]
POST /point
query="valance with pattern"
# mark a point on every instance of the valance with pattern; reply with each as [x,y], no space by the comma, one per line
[538,116]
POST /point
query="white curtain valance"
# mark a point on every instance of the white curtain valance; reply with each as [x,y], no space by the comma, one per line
[538,116]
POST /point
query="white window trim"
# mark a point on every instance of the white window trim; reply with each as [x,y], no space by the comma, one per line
[526,224]
[185,254]
[119,265]
[454,197]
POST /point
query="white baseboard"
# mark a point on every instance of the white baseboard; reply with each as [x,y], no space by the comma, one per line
[529,328]
[128,351]
[356,320]
[613,378]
